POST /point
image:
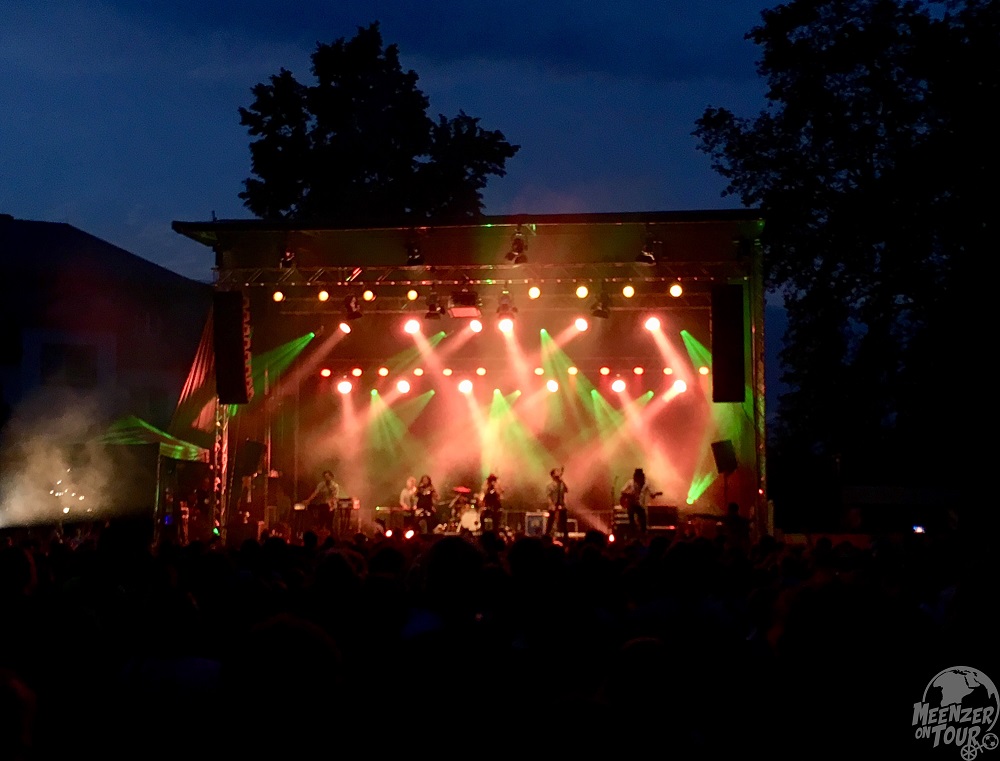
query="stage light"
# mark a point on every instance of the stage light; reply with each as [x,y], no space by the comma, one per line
[647,255]
[411,295]
[356,372]
[552,385]
[412,326]
[506,309]
[506,325]
[323,295]
[628,291]
[434,308]
[368,295]
[383,371]
[418,371]
[465,386]
[534,292]
[680,386]
[703,370]
[601,307]
[668,371]
[345,387]
[447,371]
[352,308]
[653,323]
[287,260]
[480,371]
[539,371]
[618,385]
[676,290]
[475,326]
[572,370]
[582,292]
[413,256]
[410,533]
[344,327]
[605,370]
[518,246]
[278,296]
[326,372]
[403,386]
[581,324]
[638,370]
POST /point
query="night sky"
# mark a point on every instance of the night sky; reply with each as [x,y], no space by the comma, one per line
[120,117]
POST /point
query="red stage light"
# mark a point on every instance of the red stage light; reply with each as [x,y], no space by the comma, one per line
[638,370]
[465,386]
[618,385]
[539,371]
[480,371]
[552,385]
[581,324]
[356,372]
[412,326]
[403,386]
[653,323]
[345,387]
[506,325]
[475,326]
[344,327]
[703,370]
[326,372]
[572,370]
[605,370]
[447,371]
[383,371]
[418,371]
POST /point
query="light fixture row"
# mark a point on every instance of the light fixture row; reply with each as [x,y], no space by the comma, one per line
[603,370]
[466,386]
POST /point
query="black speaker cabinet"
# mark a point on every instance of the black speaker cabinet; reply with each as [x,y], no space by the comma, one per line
[725,456]
[231,343]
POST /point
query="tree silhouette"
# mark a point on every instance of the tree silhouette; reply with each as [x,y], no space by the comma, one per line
[868,165]
[357,147]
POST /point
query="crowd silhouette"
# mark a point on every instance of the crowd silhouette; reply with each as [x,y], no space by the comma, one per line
[669,644]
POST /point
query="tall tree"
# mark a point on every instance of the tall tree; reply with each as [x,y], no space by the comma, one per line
[869,167]
[358,146]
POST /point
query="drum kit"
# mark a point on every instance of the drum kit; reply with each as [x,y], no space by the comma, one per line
[461,513]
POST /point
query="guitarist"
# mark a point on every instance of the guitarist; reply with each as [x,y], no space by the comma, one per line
[635,498]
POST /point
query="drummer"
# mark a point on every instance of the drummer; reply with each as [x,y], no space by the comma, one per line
[461,502]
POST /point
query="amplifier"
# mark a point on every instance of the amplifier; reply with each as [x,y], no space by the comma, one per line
[662,516]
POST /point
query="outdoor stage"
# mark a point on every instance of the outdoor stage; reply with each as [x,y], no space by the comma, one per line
[634,341]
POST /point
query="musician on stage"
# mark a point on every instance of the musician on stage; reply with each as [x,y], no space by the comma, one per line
[490,518]
[556,494]
[327,491]
[408,496]
[635,498]
[424,507]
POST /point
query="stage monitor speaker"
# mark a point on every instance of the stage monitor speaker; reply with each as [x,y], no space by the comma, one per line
[249,458]
[728,363]
[725,456]
[231,344]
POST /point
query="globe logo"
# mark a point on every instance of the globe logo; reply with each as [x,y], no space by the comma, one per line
[959,707]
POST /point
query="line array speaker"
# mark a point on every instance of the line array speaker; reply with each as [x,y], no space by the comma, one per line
[231,335]
[728,363]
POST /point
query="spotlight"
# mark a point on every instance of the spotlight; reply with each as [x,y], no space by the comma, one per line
[605,370]
[368,295]
[344,327]
[465,386]
[628,291]
[383,371]
[703,370]
[572,370]
[517,248]
[638,370]
[581,324]
[412,326]
[539,371]
[323,295]
[411,295]
[326,372]
[506,309]
[278,296]
[676,290]
[414,257]
[506,325]
[601,307]
[447,372]
[403,386]
[351,305]
[680,386]
[480,371]
[534,292]
[552,385]
[618,385]
[653,323]
[582,292]
[475,326]
[434,309]
[287,260]
[356,372]
[646,255]
[345,387]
